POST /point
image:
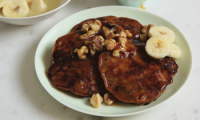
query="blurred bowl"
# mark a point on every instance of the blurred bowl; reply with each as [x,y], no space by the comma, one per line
[132,3]
[34,19]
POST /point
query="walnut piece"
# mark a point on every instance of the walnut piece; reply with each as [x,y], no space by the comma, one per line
[92,52]
[108,32]
[84,36]
[145,29]
[85,27]
[96,100]
[116,52]
[128,34]
[96,26]
[143,37]
[110,44]
[81,52]
[96,45]
[122,34]
[109,99]
[90,33]
[123,41]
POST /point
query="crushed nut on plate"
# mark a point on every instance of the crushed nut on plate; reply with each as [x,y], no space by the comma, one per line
[96,100]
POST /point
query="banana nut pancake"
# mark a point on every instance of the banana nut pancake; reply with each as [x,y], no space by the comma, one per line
[134,77]
[82,77]
[68,72]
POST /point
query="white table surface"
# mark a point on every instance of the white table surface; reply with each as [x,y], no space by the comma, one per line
[22,97]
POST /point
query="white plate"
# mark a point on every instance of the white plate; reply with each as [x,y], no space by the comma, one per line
[43,57]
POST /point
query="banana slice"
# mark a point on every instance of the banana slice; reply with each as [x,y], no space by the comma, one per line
[36,6]
[15,8]
[162,31]
[2,2]
[157,47]
[175,51]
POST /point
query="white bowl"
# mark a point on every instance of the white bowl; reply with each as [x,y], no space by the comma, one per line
[34,19]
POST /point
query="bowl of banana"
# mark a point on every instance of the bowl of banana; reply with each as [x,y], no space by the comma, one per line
[27,12]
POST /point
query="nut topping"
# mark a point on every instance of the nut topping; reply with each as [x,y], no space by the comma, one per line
[90,33]
[96,26]
[108,32]
[96,100]
[110,44]
[81,52]
[85,27]
[128,34]
[96,45]
[109,99]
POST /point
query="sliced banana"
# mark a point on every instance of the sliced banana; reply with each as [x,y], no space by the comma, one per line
[162,31]
[175,51]
[36,6]
[157,47]
[2,2]
[15,8]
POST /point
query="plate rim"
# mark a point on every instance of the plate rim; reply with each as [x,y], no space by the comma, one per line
[123,114]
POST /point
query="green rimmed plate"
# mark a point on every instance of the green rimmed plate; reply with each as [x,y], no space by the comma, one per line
[43,58]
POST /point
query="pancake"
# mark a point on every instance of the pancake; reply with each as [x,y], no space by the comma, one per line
[134,77]
[68,72]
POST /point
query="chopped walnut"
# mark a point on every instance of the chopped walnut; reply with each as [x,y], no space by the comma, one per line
[110,44]
[116,34]
[116,53]
[96,26]
[90,33]
[85,27]
[84,36]
[108,32]
[128,34]
[122,34]
[123,41]
[96,100]
[81,52]
[145,29]
[106,42]
[109,99]
[143,37]
[92,52]
[96,45]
